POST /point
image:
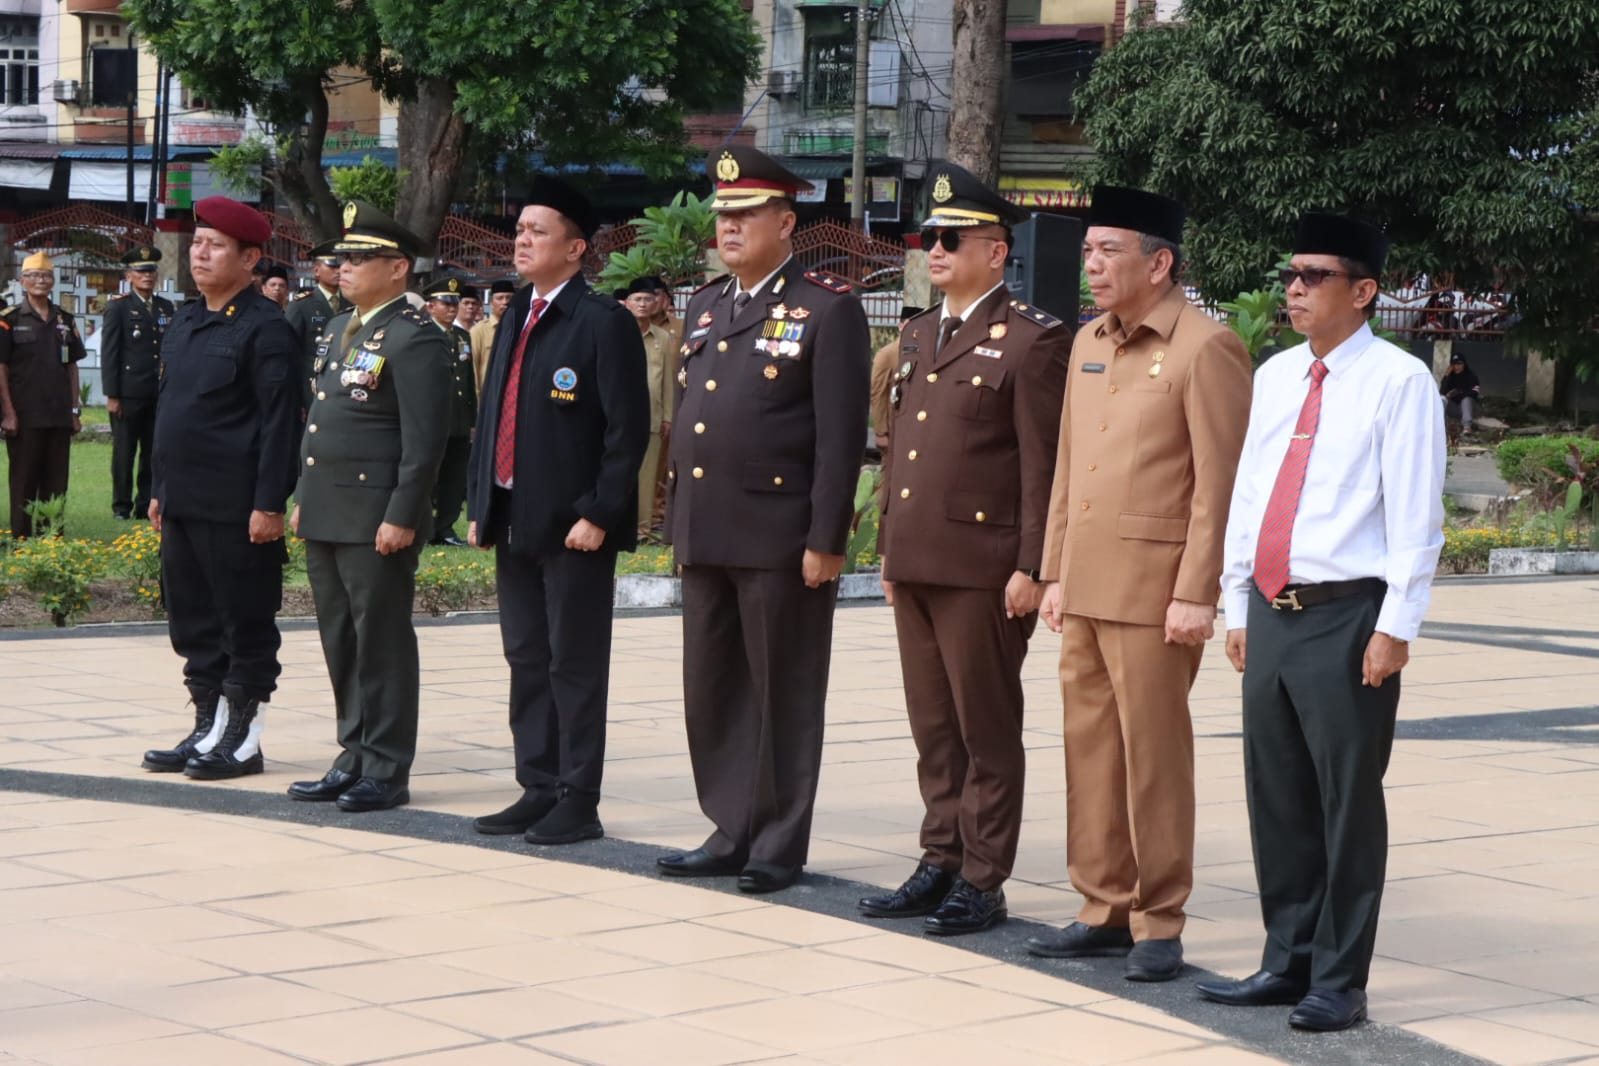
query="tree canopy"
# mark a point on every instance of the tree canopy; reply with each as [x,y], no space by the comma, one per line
[1466,127]
[585,81]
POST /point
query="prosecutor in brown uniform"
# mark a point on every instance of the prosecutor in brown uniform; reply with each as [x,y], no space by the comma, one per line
[975,411]
[1149,442]
[770,425]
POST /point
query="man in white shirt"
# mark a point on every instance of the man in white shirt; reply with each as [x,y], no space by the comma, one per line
[1332,541]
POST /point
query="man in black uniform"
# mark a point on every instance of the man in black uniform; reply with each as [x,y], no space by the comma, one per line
[561,432]
[130,357]
[449,493]
[312,309]
[39,354]
[225,430]
[769,432]
[371,449]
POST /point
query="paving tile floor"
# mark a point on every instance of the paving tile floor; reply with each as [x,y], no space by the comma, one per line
[132,932]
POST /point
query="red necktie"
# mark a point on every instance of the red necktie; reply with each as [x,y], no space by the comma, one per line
[1277,527]
[505,439]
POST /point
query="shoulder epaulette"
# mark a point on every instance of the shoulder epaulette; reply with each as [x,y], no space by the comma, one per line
[302,294]
[607,298]
[119,296]
[714,281]
[1037,314]
[415,317]
[828,281]
[11,310]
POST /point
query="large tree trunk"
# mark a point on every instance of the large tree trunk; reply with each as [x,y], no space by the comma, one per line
[432,153]
[300,176]
[974,119]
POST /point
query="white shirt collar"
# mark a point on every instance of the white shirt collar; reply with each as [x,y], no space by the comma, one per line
[964,315]
[1344,355]
[767,280]
[547,297]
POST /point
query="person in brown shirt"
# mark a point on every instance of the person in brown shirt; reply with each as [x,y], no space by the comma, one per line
[39,354]
[660,348]
[884,365]
[975,408]
[482,334]
[1149,441]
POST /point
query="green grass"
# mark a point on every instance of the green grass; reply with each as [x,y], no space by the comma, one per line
[89,517]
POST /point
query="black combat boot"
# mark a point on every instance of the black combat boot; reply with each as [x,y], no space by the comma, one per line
[202,740]
[238,750]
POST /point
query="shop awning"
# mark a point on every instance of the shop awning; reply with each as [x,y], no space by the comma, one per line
[26,173]
[1027,190]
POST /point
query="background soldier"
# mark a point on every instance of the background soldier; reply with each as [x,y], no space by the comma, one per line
[39,354]
[976,411]
[1149,440]
[772,398]
[372,446]
[643,300]
[312,309]
[500,293]
[561,432]
[130,371]
[449,493]
[470,310]
[275,284]
[225,433]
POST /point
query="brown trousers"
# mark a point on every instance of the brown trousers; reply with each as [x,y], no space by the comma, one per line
[1129,773]
[962,662]
[38,461]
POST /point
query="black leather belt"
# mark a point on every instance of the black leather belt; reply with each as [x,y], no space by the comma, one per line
[1298,597]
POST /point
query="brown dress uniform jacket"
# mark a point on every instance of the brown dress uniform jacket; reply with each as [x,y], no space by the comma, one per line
[966,480]
[1139,506]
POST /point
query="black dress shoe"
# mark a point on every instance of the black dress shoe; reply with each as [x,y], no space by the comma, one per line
[453,541]
[1155,960]
[761,877]
[370,794]
[1262,989]
[334,783]
[967,909]
[573,819]
[519,817]
[699,863]
[1327,1010]
[1082,941]
[921,894]
[121,517]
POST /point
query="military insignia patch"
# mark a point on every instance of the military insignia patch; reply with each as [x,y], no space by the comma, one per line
[358,395]
[770,372]
[682,378]
[779,312]
[727,167]
[705,319]
[800,313]
[349,214]
[997,330]
[942,193]
[828,282]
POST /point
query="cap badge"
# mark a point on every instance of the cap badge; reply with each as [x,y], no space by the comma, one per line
[727,168]
[349,214]
[942,193]
[145,253]
[455,286]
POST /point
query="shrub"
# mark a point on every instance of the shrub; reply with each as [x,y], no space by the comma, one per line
[446,584]
[1539,463]
[1466,550]
[57,572]
[136,555]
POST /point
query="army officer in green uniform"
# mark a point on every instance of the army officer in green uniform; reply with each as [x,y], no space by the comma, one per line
[373,440]
[444,296]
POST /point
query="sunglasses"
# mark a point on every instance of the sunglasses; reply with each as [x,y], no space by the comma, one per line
[1314,276]
[949,238]
[356,259]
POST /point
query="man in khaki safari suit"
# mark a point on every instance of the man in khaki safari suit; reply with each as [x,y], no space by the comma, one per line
[1154,421]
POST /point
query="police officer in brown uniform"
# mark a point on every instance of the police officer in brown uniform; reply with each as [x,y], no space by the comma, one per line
[975,413]
[770,416]
[1149,441]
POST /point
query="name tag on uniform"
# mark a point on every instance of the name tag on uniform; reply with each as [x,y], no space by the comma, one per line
[1093,368]
[989,353]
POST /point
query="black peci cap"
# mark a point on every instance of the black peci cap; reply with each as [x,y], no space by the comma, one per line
[1345,237]
[559,196]
[1142,212]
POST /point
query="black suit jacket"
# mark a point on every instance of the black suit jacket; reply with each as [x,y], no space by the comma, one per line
[228,418]
[771,423]
[130,345]
[578,448]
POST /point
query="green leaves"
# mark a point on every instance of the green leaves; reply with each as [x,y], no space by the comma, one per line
[671,243]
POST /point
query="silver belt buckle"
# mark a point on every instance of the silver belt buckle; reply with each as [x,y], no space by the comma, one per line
[1289,600]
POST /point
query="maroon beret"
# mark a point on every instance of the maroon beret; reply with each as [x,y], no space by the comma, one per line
[239,221]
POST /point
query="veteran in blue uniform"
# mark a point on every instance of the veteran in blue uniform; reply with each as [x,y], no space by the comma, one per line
[130,357]
[372,446]
[225,430]
[770,427]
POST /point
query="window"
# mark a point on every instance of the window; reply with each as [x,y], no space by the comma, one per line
[829,59]
[19,61]
[188,100]
[112,76]
[1045,76]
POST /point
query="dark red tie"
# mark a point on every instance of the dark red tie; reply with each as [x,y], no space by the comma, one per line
[505,439]
[1277,527]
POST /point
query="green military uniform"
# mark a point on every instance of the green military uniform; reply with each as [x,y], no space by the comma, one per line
[373,440]
[449,493]
[309,312]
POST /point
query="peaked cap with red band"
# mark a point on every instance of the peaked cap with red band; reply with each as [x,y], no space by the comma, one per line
[748,178]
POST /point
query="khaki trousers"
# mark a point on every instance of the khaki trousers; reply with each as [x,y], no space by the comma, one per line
[649,480]
[1129,773]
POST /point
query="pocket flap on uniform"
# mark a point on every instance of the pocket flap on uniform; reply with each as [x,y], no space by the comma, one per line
[984,508]
[777,477]
[982,376]
[1131,526]
[215,369]
[1152,386]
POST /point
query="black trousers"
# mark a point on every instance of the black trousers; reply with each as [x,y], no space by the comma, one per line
[1316,746]
[756,649]
[363,612]
[555,625]
[38,461]
[222,595]
[449,491]
[133,431]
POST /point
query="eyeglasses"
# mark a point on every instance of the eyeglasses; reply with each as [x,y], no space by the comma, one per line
[38,275]
[356,259]
[949,238]
[1314,276]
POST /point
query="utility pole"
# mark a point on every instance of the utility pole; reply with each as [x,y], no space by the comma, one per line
[133,103]
[157,156]
[863,50]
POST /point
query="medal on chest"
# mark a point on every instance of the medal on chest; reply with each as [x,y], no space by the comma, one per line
[780,337]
